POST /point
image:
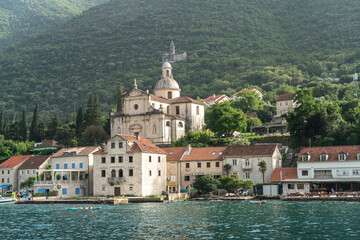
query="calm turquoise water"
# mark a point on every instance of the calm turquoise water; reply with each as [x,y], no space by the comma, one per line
[184,220]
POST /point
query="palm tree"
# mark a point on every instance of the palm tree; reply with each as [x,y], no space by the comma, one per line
[227,168]
[262,167]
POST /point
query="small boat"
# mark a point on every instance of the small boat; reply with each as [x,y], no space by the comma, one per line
[84,208]
[257,201]
[7,200]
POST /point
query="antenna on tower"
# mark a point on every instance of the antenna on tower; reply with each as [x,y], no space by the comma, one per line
[355,78]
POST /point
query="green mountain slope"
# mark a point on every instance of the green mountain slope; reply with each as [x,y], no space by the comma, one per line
[228,43]
[21,19]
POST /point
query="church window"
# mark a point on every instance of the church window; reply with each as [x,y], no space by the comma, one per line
[121,173]
[180,125]
[169,95]
[168,123]
[168,109]
[197,110]
[167,73]
[154,129]
[177,108]
[136,106]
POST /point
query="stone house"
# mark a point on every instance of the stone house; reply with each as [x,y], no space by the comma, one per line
[71,173]
[129,165]
[31,167]
[173,157]
[244,161]
[9,173]
[284,103]
[160,118]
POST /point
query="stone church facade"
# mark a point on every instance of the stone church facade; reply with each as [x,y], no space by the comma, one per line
[162,117]
[172,57]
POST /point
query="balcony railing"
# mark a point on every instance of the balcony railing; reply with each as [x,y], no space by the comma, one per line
[323,176]
[246,166]
[116,180]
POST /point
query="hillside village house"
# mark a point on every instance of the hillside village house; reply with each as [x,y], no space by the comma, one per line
[160,118]
[129,165]
[284,103]
[244,161]
[321,169]
[9,173]
[31,167]
[216,99]
[235,96]
[71,173]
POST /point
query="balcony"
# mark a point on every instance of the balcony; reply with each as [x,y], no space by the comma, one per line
[116,180]
[323,176]
[247,167]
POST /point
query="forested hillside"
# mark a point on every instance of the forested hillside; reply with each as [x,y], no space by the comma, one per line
[274,45]
[22,19]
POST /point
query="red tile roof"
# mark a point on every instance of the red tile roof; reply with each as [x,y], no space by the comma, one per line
[285,97]
[14,161]
[185,100]
[216,98]
[261,149]
[174,153]
[79,151]
[286,173]
[142,145]
[160,99]
[205,153]
[34,162]
[49,143]
[332,152]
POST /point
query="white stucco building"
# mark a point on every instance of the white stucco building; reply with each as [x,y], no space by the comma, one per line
[326,169]
[161,117]
[244,161]
[71,173]
[129,165]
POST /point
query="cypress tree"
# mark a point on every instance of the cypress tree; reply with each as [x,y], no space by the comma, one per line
[88,113]
[23,126]
[79,121]
[97,112]
[53,127]
[93,112]
[34,128]
[6,129]
[120,99]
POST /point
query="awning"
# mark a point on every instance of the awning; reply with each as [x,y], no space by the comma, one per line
[5,185]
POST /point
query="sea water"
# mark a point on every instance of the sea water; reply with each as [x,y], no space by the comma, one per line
[184,220]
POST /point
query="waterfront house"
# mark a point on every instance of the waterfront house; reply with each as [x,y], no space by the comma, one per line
[197,162]
[31,166]
[289,180]
[173,156]
[129,165]
[244,161]
[9,173]
[71,173]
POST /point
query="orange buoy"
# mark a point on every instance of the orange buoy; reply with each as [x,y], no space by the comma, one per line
[259,203]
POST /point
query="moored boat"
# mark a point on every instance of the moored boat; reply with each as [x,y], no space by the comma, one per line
[84,208]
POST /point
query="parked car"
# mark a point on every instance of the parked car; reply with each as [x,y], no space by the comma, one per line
[230,195]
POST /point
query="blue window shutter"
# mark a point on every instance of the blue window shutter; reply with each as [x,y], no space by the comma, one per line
[64,191]
[65,165]
[81,165]
[57,166]
[77,191]
[73,165]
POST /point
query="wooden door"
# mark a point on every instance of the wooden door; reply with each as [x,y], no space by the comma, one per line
[117,191]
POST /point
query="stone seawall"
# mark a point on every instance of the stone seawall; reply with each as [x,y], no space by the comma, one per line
[113,201]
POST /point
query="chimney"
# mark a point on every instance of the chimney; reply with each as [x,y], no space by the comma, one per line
[280,176]
[214,95]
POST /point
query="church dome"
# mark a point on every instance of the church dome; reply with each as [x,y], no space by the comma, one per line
[167,83]
[166,65]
